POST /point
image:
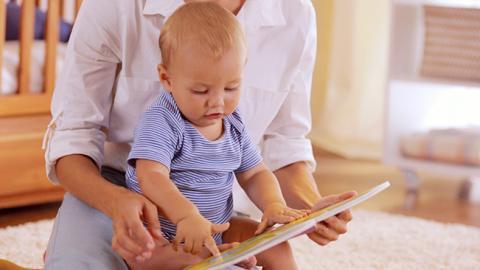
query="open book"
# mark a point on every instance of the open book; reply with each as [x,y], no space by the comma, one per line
[282,233]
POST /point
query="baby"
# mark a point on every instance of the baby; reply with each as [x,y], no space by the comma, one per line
[191,143]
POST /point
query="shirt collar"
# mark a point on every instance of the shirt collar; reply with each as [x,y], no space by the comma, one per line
[164,8]
[261,12]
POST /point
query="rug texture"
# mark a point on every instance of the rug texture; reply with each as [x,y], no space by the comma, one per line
[375,241]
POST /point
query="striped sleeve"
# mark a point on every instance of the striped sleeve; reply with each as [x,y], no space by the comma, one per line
[250,155]
[156,137]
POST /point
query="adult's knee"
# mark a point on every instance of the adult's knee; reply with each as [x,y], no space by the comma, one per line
[83,261]
[81,239]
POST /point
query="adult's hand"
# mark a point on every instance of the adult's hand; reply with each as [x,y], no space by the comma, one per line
[330,229]
[131,240]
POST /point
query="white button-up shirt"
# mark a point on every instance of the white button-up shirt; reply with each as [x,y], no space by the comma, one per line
[109,79]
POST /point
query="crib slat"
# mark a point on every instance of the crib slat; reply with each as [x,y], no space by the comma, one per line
[51,39]
[2,36]
[27,17]
[62,9]
[15,105]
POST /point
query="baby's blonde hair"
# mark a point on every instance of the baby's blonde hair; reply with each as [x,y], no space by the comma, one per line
[209,26]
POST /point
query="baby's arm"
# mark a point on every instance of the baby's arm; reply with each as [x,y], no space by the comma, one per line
[192,228]
[263,189]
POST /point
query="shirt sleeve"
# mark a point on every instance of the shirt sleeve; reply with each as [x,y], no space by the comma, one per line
[83,94]
[157,137]
[250,155]
[285,140]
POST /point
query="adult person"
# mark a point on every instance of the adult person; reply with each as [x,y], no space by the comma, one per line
[109,79]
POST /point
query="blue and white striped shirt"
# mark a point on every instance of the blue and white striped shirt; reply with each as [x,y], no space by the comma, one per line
[202,170]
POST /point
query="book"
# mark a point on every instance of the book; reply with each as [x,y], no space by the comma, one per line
[282,233]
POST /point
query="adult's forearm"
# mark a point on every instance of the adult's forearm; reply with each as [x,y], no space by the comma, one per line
[298,185]
[79,176]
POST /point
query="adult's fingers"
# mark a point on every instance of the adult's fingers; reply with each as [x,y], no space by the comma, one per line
[248,263]
[332,199]
[336,224]
[123,252]
[326,232]
[140,234]
[317,238]
[345,215]
[150,214]
[123,244]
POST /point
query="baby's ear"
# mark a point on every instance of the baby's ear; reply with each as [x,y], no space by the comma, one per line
[164,77]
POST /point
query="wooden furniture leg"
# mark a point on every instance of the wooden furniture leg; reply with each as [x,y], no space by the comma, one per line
[412,183]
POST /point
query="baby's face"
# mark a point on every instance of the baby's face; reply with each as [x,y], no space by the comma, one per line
[205,88]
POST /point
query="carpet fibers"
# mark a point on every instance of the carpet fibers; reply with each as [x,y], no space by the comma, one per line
[375,241]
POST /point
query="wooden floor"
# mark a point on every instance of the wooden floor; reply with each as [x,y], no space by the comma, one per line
[437,195]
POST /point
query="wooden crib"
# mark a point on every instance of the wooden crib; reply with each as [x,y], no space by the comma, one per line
[24,114]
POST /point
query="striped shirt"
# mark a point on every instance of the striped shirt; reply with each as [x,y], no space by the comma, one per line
[202,170]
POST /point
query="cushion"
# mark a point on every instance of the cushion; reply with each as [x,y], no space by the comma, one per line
[13,23]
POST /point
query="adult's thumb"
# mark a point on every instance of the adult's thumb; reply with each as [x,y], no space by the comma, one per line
[153,224]
[332,199]
[218,228]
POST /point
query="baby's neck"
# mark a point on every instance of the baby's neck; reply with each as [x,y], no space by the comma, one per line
[212,132]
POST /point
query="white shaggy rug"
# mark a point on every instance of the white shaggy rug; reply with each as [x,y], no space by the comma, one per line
[375,241]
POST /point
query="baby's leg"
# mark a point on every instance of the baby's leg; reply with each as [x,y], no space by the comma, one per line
[164,257]
[79,235]
[277,257]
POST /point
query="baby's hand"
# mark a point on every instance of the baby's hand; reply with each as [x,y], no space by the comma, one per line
[279,213]
[195,232]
